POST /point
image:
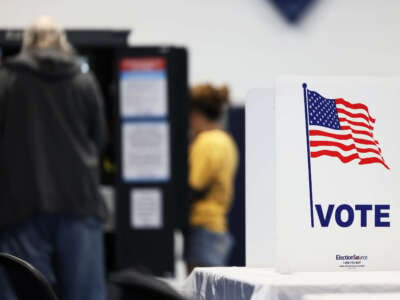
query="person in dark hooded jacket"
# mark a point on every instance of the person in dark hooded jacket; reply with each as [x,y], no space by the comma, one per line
[52,130]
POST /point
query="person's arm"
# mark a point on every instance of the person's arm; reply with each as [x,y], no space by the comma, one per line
[97,123]
[202,166]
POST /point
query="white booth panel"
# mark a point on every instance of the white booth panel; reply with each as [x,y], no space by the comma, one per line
[260,158]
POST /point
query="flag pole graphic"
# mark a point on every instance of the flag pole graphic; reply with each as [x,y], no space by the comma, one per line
[308,154]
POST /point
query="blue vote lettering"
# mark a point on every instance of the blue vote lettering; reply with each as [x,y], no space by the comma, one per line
[324,220]
[339,215]
[363,208]
[379,215]
[345,214]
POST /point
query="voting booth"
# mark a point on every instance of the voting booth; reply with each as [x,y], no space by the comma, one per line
[322,186]
[152,171]
[322,190]
[144,166]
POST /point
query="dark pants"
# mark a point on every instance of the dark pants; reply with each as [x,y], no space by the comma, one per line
[67,249]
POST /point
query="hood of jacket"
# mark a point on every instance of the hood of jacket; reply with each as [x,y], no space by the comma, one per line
[49,63]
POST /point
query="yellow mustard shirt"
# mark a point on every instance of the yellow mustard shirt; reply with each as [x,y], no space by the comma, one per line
[213,160]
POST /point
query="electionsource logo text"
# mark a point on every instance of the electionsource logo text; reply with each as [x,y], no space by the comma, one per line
[351,261]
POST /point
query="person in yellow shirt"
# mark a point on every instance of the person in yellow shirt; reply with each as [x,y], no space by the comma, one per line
[213,161]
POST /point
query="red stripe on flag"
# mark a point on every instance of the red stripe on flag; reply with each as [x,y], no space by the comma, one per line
[371,160]
[344,159]
[364,142]
[357,131]
[354,106]
[367,150]
[356,123]
[344,137]
[314,132]
[343,147]
[347,159]
[351,115]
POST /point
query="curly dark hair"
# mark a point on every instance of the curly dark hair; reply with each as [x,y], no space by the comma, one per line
[209,100]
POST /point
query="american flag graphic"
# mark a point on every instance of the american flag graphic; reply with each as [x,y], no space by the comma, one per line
[341,129]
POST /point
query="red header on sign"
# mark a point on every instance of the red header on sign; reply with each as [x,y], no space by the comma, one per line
[143,64]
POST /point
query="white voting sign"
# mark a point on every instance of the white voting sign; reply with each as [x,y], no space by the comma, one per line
[337,174]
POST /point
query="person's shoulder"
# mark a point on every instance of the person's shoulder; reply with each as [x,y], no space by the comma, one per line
[85,77]
[214,138]
[85,81]
[206,137]
[218,135]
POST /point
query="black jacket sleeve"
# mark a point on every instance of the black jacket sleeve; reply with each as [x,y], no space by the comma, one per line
[3,86]
[97,123]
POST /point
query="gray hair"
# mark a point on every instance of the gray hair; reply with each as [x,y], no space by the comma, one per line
[44,32]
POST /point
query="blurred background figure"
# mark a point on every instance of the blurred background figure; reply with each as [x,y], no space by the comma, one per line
[213,160]
[51,131]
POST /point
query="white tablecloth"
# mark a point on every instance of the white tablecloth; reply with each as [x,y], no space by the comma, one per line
[265,284]
[375,296]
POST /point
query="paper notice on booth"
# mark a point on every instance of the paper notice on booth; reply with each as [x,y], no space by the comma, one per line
[146,208]
[143,87]
[145,152]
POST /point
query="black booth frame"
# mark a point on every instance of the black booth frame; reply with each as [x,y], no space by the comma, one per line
[153,250]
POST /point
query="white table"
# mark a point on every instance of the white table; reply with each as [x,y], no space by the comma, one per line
[265,284]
